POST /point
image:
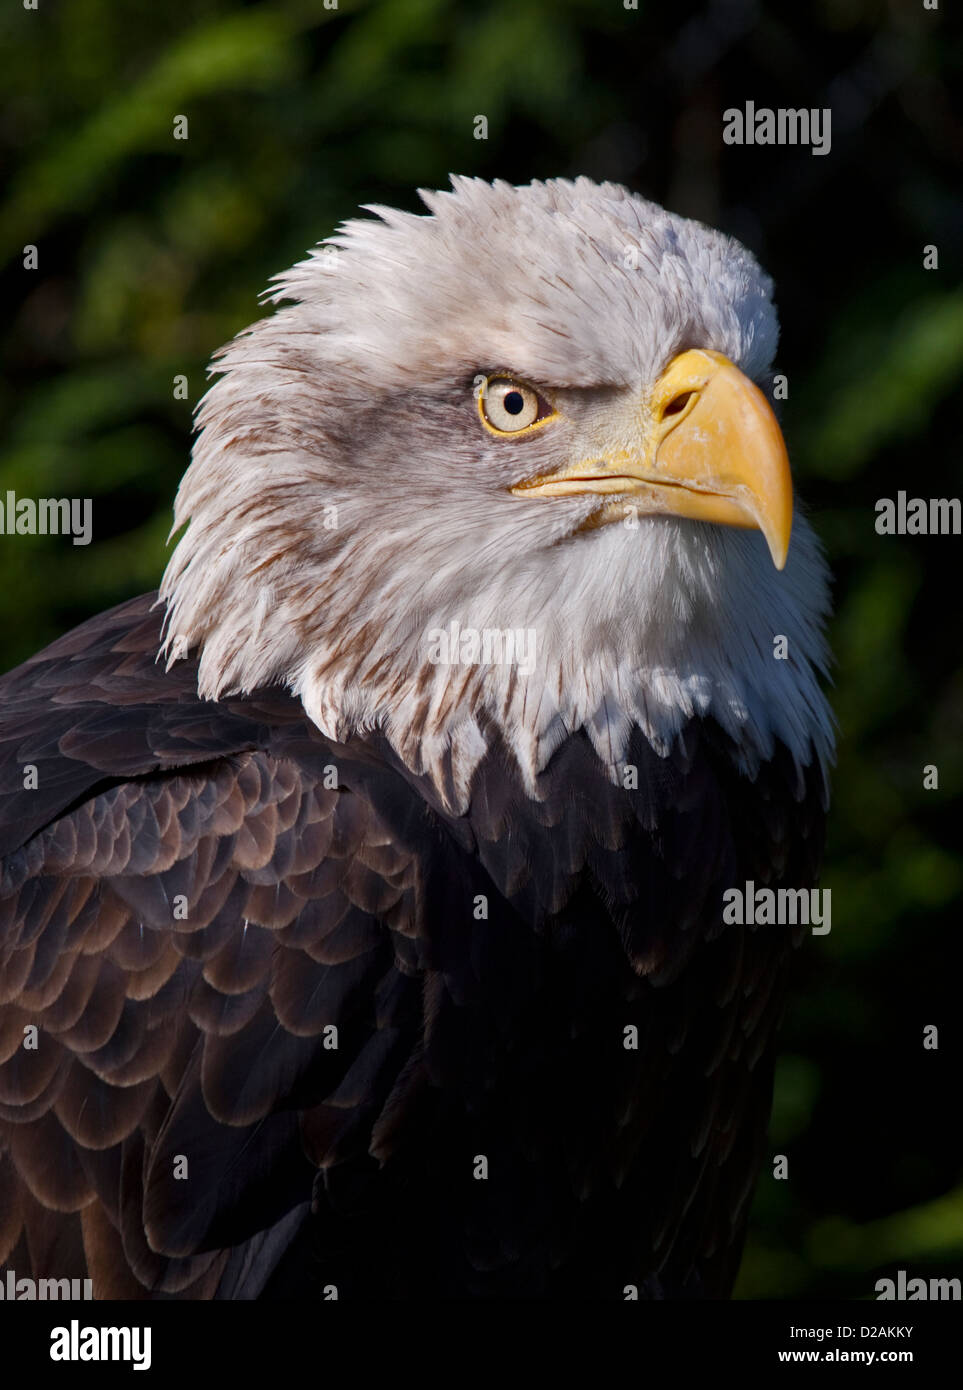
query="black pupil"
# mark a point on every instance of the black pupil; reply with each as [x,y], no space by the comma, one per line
[514,402]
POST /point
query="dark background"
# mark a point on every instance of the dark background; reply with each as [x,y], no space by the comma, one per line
[152,252]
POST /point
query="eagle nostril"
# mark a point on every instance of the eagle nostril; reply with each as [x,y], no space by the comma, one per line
[676,404]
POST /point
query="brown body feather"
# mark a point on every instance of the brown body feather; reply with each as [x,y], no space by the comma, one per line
[187,903]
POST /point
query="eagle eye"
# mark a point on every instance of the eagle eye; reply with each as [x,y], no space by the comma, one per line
[508,406]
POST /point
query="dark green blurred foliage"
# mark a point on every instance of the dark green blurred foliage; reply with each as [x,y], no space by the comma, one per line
[152,252]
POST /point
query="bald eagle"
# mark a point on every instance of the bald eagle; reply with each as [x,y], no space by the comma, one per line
[361,907]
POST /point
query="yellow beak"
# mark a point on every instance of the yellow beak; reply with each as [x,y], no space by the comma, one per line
[710,449]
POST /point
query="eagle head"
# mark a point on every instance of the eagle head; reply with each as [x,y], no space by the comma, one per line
[511,465]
